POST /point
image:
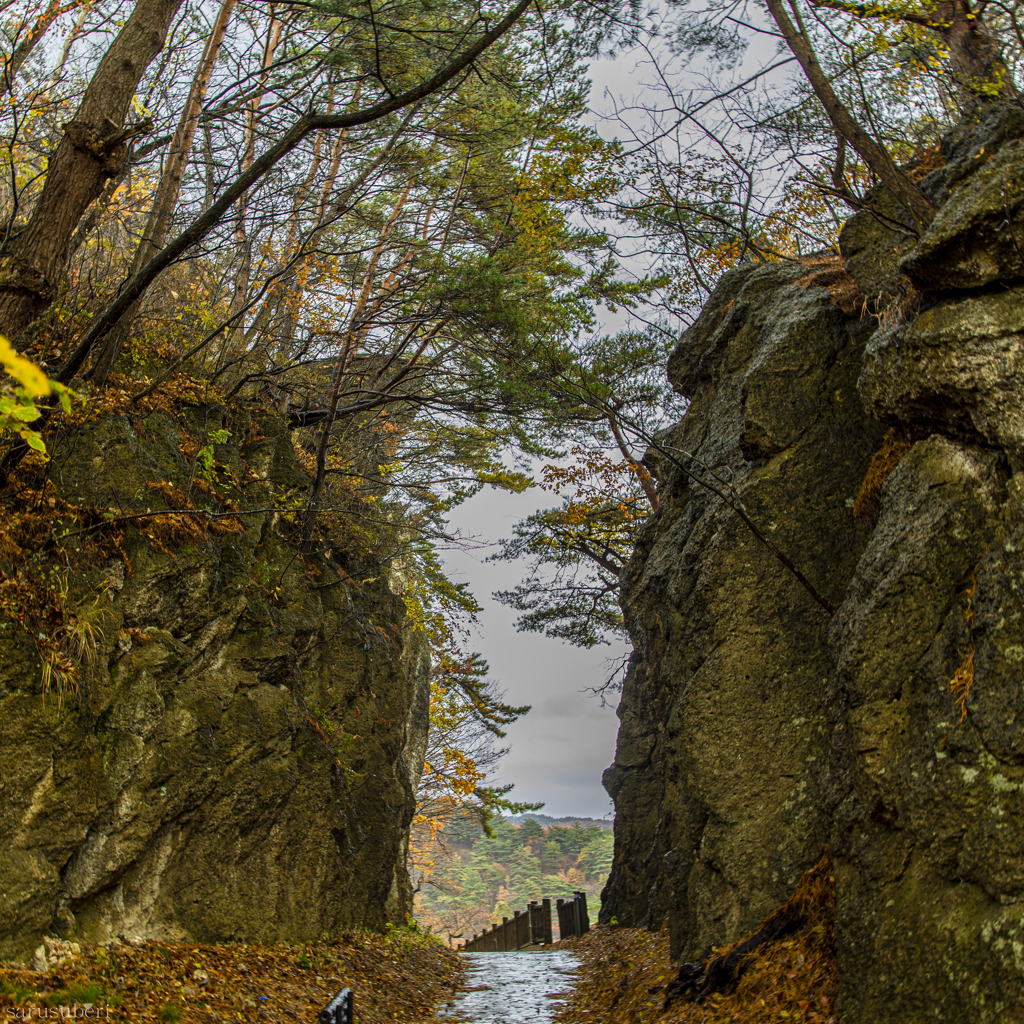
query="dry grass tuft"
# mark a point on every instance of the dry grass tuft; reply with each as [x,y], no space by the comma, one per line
[186,524]
[924,162]
[831,273]
[626,971]
[899,308]
[117,398]
[961,683]
[868,504]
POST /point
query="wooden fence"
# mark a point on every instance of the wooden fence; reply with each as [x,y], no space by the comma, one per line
[572,916]
[530,927]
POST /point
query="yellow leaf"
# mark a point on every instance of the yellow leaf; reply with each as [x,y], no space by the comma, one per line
[24,371]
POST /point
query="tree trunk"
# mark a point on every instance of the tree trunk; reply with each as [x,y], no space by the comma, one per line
[980,73]
[285,298]
[358,326]
[93,149]
[875,156]
[306,125]
[645,479]
[168,190]
[979,70]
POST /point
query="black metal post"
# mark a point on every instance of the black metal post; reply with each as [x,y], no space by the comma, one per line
[340,1010]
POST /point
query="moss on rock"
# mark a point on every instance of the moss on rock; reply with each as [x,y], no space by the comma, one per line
[187,795]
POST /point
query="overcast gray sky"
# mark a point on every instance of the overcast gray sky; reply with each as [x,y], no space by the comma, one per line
[561,747]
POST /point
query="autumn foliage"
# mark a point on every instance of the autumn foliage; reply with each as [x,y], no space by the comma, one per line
[479,878]
[399,976]
[868,503]
[626,972]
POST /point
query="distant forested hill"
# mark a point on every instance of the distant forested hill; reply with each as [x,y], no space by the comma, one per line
[546,820]
[477,879]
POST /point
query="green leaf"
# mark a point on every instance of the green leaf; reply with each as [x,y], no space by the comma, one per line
[33,440]
[27,413]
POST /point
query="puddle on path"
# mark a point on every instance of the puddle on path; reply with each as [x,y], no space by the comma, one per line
[513,988]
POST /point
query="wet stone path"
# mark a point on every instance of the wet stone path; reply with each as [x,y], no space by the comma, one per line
[513,988]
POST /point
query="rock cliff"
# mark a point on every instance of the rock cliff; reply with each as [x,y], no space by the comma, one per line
[880,708]
[241,759]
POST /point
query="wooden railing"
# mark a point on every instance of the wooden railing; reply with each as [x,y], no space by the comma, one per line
[572,916]
[531,927]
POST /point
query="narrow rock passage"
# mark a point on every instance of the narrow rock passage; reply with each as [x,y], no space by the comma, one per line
[513,988]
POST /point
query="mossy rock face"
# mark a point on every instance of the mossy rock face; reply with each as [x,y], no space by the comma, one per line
[972,242]
[755,727]
[723,740]
[958,367]
[186,795]
[977,238]
[983,130]
[872,242]
[927,826]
